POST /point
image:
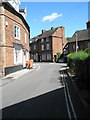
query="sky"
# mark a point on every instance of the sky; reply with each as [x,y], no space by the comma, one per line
[44,15]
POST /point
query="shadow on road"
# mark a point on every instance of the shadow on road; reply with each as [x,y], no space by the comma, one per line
[48,105]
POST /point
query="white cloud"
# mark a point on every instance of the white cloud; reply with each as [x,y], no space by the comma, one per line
[51,17]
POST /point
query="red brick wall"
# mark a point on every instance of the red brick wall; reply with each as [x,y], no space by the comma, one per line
[56,45]
[1,38]
[9,36]
[57,41]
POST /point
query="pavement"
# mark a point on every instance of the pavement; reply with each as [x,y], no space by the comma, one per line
[15,75]
[78,96]
[83,94]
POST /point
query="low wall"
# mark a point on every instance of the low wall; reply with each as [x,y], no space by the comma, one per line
[12,69]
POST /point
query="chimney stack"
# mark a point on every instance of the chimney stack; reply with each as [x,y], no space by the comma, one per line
[88,24]
[52,28]
[43,31]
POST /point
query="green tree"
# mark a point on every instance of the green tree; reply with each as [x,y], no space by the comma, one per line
[58,54]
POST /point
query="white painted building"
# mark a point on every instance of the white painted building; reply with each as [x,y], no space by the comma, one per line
[14,3]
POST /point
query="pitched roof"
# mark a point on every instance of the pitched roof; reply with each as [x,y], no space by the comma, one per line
[44,35]
[81,35]
[35,38]
[48,33]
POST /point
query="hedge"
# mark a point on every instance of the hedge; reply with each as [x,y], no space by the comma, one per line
[75,57]
[87,50]
[79,63]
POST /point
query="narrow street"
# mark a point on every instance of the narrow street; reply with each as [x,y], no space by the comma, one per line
[38,94]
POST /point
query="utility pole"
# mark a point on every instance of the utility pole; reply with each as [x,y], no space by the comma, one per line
[76,42]
[62,39]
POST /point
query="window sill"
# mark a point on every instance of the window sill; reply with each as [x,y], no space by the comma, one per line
[17,38]
[17,63]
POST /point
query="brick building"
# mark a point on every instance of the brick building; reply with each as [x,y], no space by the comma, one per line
[83,40]
[45,46]
[14,38]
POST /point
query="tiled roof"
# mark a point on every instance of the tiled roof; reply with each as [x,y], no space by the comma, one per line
[48,33]
[44,35]
[81,35]
[35,38]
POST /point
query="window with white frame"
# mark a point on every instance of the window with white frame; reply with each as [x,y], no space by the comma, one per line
[42,47]
[48,47]
[25,38]
[34,47]
[42,40]
[47,39]
[17,56]
[17,32]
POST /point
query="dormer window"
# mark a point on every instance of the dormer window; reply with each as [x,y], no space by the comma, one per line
[36,39]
